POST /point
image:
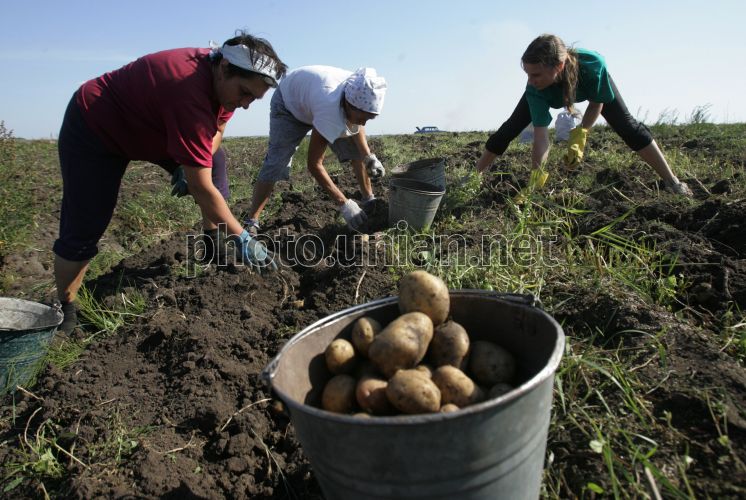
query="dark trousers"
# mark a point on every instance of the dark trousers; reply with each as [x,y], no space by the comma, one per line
[635,134]
[91,177]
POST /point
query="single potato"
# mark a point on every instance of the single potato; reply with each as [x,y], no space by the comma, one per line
[448,408]
[456,387]
[340,356]
[491,364]
[421,291]
[402,344]
[412,392]
[371,396]
[339,394]
[363,332]
[450,345]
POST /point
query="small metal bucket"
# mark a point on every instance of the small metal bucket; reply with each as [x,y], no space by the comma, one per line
[431,171]
[25,331]
[414,202]
[494,449]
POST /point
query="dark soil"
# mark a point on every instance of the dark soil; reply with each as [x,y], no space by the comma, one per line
[186,376]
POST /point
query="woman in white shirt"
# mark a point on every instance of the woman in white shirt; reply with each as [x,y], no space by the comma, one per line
[334,104]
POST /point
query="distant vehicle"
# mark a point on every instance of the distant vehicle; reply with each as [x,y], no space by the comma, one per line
[428,130]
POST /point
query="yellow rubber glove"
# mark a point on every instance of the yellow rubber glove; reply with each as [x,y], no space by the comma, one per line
[575,146]
[538,178]
[536,181]
[521,197]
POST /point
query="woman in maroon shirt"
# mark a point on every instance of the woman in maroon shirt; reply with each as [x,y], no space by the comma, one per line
[169,108]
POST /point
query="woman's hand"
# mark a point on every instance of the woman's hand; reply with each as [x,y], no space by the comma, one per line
[575,147]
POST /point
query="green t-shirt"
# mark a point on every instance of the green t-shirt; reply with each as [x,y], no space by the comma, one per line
[593,85]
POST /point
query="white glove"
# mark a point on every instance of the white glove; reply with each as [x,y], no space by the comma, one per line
[353,214]
[373,167]
[681,188]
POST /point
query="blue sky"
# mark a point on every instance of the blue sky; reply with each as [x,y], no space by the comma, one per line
[453,64]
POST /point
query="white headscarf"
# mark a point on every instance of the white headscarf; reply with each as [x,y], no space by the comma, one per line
[365,90]
[251,60]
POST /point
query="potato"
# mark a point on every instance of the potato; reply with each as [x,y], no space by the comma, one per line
[450,345]
[402,344]
[498,390]
[339,394]
[340,356]
[423,292]
[425,369]
[448,408]
[363,331]
[371,396]
[490,364]
[411,392]
[455,387]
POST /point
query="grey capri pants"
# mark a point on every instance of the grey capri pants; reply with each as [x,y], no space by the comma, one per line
[285,134]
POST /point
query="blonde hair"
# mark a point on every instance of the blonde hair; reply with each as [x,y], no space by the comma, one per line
[550,50]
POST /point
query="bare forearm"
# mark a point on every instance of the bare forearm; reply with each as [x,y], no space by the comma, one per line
[210,201]
[316,147]
[215,208]
[319,173]
[217,140]
[540,149]
[361,142]
[592,112]
[485,161]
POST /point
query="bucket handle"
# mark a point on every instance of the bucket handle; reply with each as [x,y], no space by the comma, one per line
[268,370]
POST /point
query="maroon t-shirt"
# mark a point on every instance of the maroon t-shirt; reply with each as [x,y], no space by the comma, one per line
[160,107]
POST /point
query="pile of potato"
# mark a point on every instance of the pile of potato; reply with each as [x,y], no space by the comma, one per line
[419,363]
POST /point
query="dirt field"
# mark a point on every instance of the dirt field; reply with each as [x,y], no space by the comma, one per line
[177,393]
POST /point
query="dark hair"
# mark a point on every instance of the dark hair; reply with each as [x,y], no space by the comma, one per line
[550,50]
[255,44]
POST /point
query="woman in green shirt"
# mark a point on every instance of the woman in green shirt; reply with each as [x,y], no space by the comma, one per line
[559,77]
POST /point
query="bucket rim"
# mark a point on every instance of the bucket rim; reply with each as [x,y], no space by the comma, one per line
[415,186]
[269,372]
[403,168]
[59,317]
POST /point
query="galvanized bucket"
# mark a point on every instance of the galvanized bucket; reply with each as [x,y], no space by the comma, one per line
[431,171]
[414,202]
[25,331]
[494,449]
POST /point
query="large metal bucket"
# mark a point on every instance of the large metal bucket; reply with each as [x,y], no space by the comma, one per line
[491,450]
[431,171]
[25,331]
[414,202]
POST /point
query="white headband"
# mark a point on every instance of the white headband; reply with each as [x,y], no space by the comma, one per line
[241,56]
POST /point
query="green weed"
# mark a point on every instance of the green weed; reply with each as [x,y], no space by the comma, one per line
[118,444]
[97,320]
[41,457]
